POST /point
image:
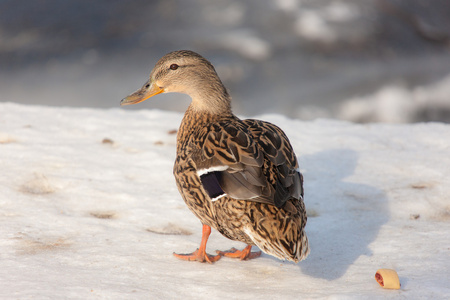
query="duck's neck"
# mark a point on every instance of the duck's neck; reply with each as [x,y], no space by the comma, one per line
[210,96]
[211,106]
[210,103]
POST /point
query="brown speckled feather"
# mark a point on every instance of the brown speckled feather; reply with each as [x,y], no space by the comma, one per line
[259,156]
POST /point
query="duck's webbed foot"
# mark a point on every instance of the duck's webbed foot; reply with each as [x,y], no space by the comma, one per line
[244,254]
[198,255]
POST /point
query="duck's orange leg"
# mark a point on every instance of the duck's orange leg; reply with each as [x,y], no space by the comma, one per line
[244,254]
[200,254]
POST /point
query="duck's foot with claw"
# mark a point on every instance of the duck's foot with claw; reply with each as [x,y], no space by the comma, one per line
[198,255]
[244,254]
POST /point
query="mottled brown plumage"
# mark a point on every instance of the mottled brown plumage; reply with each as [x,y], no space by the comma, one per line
[239,177]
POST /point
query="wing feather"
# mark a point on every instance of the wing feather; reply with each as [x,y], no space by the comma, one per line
[255,159]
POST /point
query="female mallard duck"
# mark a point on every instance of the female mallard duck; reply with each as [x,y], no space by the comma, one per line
[240,177]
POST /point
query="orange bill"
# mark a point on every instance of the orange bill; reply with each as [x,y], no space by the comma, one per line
[148,90]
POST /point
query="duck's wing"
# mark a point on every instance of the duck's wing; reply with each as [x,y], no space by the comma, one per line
[250,160]
[283,170]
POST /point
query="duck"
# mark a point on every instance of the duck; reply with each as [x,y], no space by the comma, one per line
[239,177]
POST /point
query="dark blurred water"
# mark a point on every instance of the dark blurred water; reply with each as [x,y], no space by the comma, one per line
[363,61]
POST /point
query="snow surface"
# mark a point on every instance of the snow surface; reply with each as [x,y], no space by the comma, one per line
[89,210]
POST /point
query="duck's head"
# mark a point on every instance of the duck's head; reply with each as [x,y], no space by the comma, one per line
[184,72]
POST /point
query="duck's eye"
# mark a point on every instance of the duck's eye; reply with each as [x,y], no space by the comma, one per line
[173,66]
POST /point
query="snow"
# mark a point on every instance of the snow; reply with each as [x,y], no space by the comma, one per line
[395,103]
[90,210]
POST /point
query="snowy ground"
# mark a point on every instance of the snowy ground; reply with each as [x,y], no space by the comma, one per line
[89,209]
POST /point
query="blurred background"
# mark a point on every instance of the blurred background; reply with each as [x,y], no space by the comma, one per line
[357,60]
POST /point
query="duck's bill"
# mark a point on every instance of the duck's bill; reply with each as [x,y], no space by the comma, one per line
[146,91]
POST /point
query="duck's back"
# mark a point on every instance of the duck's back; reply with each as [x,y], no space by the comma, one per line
[241,177]
[275,226]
